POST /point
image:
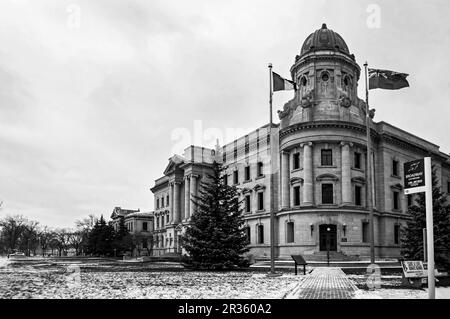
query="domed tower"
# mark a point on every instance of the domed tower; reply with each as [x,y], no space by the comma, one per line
[327,77]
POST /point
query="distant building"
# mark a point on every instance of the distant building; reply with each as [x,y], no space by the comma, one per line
[317,153]
[140,225]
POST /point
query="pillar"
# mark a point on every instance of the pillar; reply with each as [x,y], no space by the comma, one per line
[187,197]
[171,202]
[346,174]
[176,202]
[285,189]
[193,192]
[308,184]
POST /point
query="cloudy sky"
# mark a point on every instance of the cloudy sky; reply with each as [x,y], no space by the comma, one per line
[95,95]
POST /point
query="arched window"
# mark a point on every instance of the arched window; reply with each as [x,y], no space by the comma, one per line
[260,234]
[325,76]
[290,232]
[303,81]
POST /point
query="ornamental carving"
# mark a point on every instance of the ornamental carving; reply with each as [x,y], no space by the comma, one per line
[344,101]
[307,99]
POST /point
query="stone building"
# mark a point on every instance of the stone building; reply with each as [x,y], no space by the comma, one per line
[317,156]
[140,226]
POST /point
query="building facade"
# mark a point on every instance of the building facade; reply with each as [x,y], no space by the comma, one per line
[140,225]
[309,169]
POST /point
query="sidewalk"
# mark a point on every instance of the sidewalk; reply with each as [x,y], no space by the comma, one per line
[324,283]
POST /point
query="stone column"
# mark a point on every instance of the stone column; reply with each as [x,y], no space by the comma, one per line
[346,174]
[176,202]
[285,189]
[308,184]
[171,202]
[187,197]
[193,190]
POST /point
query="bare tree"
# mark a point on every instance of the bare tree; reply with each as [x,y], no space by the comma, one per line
[62,237]
[76,239]
[45,236]
[13,227]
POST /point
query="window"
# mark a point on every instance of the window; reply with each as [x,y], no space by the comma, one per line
[357,160]
[290,232]
[236,177]
[157,222]
[327,158]
[162,201]
[297,196]
[396,202]
[248,233]
[365,232]
[247,173]
[260,234]
[303,81]
[248,206]
[167,218]
[325,76]
[448,187]
[327,193]
[410,198]
[296,159]
[162,221]
[396,234]
[260,201]
[395,168]
[144,243]
[157,203]
[358,196]
[167,200]
[260,168]
[144,226]
[225,179]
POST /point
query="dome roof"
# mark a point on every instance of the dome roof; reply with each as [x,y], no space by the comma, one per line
[324,39]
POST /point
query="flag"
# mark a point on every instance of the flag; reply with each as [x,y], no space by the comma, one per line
[281,84]
[388,80]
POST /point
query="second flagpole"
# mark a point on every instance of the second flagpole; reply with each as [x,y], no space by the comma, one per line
[272,217]
[369,172]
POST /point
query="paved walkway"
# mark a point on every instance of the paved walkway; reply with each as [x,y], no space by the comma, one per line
[324,283]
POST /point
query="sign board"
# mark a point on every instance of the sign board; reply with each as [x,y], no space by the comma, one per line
[414,269]
[299,259]
[414,173]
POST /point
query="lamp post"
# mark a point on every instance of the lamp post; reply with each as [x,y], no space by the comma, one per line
[328,246]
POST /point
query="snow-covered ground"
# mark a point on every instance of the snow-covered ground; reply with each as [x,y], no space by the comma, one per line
[441,293]
[58,282]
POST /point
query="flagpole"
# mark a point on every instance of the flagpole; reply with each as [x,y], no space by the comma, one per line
[369,173]
[272,216]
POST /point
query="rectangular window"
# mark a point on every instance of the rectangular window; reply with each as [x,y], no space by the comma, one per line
[225,179]
[144,243]
[396,234]
[296,160]
[162,221]
[167,219]
[162,201]
[260,169]
[248,205]
[260,201]
[167,200]
[410,200]
[357,160]
[327,158]
[448,187]
[358,196]
[365,232]
[260,234]
[248,233]
[290,232]
[395,199]
[157,203]
[157,222]
[247,173]
[144,226]
[297,196]
[236,177]
[395,168]
[327,194]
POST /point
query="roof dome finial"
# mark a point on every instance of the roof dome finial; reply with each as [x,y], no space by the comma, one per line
[324,25]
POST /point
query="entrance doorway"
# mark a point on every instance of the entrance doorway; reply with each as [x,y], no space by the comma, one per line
[328,237]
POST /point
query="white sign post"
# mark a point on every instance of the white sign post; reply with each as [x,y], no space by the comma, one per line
[417,180]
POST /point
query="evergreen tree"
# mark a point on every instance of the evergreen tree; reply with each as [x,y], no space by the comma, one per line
[412,235]
[122,238]
[101,238]
[215,237]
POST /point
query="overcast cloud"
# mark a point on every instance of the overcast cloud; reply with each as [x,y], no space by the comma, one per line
[92,91]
